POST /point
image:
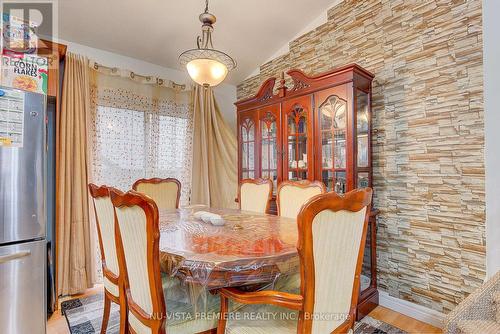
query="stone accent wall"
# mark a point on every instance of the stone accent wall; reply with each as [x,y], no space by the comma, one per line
[428,135]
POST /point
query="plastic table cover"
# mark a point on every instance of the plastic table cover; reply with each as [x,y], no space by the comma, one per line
[250,248]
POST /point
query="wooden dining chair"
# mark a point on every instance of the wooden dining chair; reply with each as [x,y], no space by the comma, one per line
[291,195]
[105,221]
[165,192]
[138,237]
[255,195]
[332,233]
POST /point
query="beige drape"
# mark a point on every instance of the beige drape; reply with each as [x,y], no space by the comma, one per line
[214,176]
[74,249]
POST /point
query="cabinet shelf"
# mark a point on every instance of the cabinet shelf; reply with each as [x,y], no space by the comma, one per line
[292,169]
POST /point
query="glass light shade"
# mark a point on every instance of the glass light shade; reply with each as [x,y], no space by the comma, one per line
[207,72]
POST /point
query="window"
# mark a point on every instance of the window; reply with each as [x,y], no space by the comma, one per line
[133,144]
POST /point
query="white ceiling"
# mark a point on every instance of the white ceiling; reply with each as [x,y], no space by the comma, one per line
[157,31]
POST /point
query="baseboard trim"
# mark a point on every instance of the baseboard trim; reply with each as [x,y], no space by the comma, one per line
[415,311]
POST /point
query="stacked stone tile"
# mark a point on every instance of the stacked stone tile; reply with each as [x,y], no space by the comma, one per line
[428,149]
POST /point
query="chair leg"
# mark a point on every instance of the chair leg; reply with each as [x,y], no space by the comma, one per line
[123,313]
[105,316]
[221,327]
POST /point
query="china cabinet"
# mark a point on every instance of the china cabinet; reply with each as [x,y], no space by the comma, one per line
[317,129]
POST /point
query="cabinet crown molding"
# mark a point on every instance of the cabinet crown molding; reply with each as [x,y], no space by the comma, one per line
[302,84]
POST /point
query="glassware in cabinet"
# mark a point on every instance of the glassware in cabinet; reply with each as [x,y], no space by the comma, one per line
[298,139]
[270,159]
[333,125]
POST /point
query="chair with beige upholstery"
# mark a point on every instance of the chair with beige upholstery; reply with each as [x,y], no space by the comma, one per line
[138,237]
[165,192]
[255,195]
[292,195]
[105,221]
[332,233]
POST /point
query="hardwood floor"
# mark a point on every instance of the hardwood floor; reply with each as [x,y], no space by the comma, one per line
[403,322]
[57,323]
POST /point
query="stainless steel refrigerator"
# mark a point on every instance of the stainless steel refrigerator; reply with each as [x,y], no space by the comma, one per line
[22,212]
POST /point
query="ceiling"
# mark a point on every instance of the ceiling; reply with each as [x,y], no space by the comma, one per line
[157,31]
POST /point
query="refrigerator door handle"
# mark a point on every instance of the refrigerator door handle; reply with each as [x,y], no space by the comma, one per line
[10,257]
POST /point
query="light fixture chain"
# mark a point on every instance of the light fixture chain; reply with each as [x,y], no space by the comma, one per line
[206,6]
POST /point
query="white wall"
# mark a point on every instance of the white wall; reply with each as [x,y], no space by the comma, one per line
[285,48]
[224,93]
[491,52]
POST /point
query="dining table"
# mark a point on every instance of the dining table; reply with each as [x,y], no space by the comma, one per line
[248,249]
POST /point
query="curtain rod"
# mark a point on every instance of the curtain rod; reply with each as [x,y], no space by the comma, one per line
[148,78]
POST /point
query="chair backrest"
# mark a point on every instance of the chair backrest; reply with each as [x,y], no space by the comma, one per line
[332,235]
[291,195]
[138,238]
[255,195]
[105,221]
[165,192]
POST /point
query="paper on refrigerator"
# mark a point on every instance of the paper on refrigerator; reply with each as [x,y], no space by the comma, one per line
[11,118]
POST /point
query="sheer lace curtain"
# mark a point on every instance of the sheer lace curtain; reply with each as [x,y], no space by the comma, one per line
[139,131]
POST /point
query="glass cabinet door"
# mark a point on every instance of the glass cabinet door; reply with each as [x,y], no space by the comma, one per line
[363,163]
[333,125]
[298,145]
[269,153]
[247,133]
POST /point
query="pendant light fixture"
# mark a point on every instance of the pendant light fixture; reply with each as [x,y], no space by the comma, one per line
[206,65]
